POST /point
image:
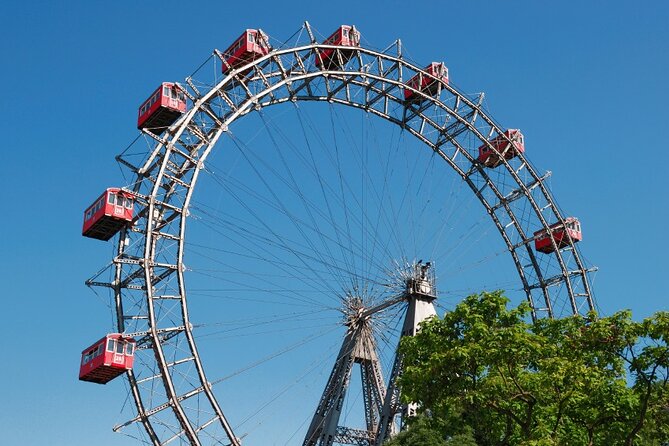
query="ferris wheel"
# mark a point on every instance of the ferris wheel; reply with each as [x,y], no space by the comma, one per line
[351,191]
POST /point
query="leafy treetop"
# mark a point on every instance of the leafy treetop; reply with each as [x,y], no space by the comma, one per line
[485,375]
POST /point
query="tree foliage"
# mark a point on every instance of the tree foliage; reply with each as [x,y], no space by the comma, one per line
[426,431]
[485,371]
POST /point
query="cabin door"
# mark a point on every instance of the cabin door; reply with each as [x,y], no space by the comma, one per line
[119,357]
[119,202]
[172,95]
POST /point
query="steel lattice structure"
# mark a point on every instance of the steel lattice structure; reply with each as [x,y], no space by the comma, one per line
[148,282]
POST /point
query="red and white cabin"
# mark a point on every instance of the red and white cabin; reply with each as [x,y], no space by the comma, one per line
[427,84]
[162,108]
[345,36]
[561,234]
[493,158]
[108,358]
[108,214]
[252,44]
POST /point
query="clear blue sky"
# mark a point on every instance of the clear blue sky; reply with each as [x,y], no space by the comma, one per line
[586,81]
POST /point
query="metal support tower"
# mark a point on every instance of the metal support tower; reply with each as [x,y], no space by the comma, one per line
[358,347]
[420,294]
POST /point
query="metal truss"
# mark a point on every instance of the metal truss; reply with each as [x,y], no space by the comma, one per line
[148,282]
[420,294]
[382,406]
[358,347]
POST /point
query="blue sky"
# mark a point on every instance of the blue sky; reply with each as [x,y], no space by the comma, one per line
[585,81]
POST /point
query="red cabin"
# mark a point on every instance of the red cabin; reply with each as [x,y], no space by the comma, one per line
[427,84]
[345,36]
[252,44]
[108,214]
[493,158]
[162,108]
[108,358]
[561,234]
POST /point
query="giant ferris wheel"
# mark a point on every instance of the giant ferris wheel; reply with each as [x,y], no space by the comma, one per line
[351,191]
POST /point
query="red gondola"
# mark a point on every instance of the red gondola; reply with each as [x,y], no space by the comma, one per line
[162,108]
[427,84]
[345,36]
[491,158]
[561,234]
[108,358]
[108,214]
[252,44]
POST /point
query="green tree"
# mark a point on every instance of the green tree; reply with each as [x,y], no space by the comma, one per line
[571,381]
[425,431]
